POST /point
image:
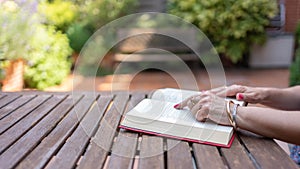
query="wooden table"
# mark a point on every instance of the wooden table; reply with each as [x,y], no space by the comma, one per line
[65,130]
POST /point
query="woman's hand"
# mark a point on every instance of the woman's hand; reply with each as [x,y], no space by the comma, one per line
[243,93]
[207,106]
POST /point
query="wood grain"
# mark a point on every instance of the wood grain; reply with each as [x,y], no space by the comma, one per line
[25,144]
[75,145]
[151,153]
[237,156]
[179,155]
[50,144]
[124,149]
[100,144]
[14,133]
[207,156]
[8,99]
[4,111]
[267,153]
[44,131]
[2,96]
[22,111]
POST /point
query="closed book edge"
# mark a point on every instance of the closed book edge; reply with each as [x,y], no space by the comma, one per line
[181,138]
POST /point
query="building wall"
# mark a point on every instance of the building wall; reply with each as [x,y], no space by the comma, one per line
[292,8]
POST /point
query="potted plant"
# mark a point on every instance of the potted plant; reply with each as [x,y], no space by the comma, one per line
[49,61]
[30,50]
[17,26]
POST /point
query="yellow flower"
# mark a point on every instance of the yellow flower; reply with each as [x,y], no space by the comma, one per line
[10,6]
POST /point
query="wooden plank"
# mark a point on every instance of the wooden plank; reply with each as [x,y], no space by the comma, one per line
[76,143]
[237,157]
[8,99]
[207,156]
[11,157]
[49,145]
[124,149]
[24,110]
[179,155]
[151,153]
[12,134]
[100,144]
[267,153]
[15,105]
[2,96]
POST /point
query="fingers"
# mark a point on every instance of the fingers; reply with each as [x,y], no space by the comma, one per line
[189,102]
[218,90]
[250,97]
[240,96]
[207,106]
[198,105]
[182,104]
[229,91]
[200,112]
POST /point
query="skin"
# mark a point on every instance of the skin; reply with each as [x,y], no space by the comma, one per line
[280,120]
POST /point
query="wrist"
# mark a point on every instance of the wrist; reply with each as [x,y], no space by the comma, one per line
[268,94]
[232,113]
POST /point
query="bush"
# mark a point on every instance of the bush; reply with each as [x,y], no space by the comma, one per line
[99,12]
[231,25]
[49,63]
[295,67]
[58,13]
[91,15]
[17,26]
[78,34]
[295,70]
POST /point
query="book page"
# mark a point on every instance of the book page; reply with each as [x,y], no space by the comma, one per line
[177,95]
[154,110]
[173,95]
[161,117]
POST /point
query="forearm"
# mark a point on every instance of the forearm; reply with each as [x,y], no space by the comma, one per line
[279,124]
[285,99]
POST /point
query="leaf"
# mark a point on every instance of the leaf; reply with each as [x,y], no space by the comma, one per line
[229,22]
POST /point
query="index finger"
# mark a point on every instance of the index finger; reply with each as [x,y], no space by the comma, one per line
[183,103]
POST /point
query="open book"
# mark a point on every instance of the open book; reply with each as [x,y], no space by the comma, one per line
[158,116]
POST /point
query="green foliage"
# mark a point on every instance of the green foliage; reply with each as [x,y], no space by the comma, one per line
[59,13]
[295,70]
[23,36]
[231,25]
[3,65]
[295,67]
[91,15]
[49,63]
[99,12]
[78,34]
[17,27]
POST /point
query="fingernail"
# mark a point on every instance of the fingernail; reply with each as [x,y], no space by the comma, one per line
[176,106]
[240,96]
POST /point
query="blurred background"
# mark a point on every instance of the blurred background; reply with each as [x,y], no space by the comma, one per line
[40,42]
